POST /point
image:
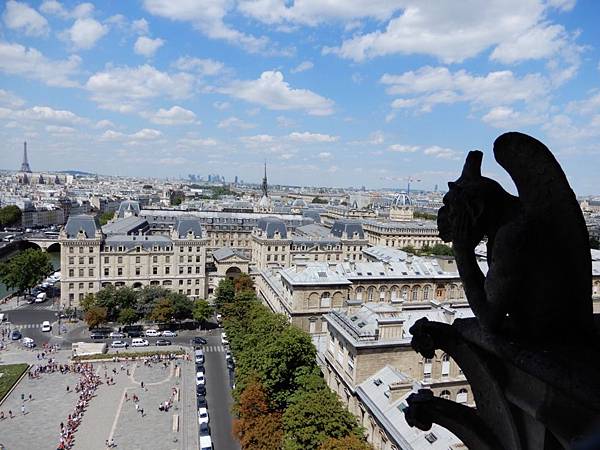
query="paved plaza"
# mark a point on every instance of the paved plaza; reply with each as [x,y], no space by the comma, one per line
[109,414]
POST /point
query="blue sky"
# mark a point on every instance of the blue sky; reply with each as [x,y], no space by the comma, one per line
[333,93]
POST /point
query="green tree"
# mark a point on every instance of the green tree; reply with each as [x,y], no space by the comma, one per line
[89,301]
[95,316]
[313,417]
[243,283]
[10,215]
[424,215]
[25,270]
[594,243]
[105,217]
[350,442]
[128,316]
[147,298]
[442,250]
[163,310]
[202,311]
[183,307]
[319,200]
[225,293]
[410,249]
[107,298]
[244,297]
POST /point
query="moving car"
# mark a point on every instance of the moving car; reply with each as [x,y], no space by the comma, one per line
[139,342]
[163,342]
[15,335]
[200,380]
[203,415]
[169,333]
[116,335]
[46,326]
[119,344]
[152,333]
[199,340]
[28,342]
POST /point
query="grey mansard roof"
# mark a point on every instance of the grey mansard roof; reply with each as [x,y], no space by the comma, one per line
[186,224]
[272,225]
[128,206]
[126,225]
[130,242]
[344,228]
[226,252]
[89,225]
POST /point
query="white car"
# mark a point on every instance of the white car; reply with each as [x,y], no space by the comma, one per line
[119,344]
[224,339]
[116,335]
[28,342]
[200,380]
[169,333]
[41,297]
[46,326]
[152,333]
[227,354]
[138,342]
[202,415]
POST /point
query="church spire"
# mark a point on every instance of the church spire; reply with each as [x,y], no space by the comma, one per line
[25,166]
[264,183]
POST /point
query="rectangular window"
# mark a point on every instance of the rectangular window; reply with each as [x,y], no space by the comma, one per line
[155,259]
[80,272]
[90,260]
[167,259]
[81,261]
[71,285]
[180,283]
[189,249]
[155,271]
[197,291]
[137,270]
[106,260]
[120,260]
[71,272]
[167,270]
[189,281]
[80,285]
[181,271]
[189,292]
[197,269]
[120,271]
[71,260]
[137,259]
[91,285]
[80,297]
[91,272]
[106,271]
[71,296]
[190,258]
[71,249]
[181,259]
[189,269]
[198,258]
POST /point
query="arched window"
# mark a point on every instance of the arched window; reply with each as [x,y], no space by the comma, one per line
[445,365]
[325,300]
[462,396]
[370,294]
[426,368]
[359,293]
[453,291]
[394,293]
[445,394]
[415,293]
[426,293]
[382,294]
[404,293]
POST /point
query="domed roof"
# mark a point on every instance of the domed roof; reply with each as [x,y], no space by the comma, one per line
[299,203]
[402,200]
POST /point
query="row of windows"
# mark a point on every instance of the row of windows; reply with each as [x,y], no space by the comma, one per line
[81,272]
[81,260]
[81,249]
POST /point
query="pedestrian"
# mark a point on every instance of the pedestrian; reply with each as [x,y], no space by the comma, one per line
[126,399]
[137,407]
[30,397]
[142,384]
[111,443]
[142,411]
[67,388]
[10,413]
[23,408]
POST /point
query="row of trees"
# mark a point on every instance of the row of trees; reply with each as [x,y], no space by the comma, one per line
[152,303]
[426,250]
[25,270]
[281,398]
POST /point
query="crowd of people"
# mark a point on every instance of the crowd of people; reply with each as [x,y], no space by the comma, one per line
[86,388]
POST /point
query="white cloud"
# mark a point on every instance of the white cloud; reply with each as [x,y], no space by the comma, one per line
[140,26]
[307,137]
[43,114]
[85,32]
[10,100]
[400,148]
[196,142]
[272,92]
[104,124]
[505,117]
[174,116]
[221,105]
[455,31]
[303,66]
[285,122]
[111,135]
[82,10]
[207,17]
[146,134]
[430,86]
[146,46]
[583,107]
[234,122]
[19,16]
[441,152]
[53,7]
[124,88]
[325,155]
[60,130]
[204,67]
[257,140]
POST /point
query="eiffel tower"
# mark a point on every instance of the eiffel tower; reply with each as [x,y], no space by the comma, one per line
[25,166]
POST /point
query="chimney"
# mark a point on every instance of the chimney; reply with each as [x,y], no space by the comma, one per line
[399,390]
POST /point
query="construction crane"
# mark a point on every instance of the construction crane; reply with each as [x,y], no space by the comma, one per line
[408,180]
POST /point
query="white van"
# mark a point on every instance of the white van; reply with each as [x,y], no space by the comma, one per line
[199,356]
[139,342]
[41,297]
[206,443]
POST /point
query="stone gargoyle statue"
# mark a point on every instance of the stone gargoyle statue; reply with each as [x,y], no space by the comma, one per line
[538,286]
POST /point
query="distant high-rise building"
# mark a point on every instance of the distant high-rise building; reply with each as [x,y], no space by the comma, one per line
[25,166]
[235,181]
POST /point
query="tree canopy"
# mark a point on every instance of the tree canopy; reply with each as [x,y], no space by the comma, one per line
[25,270]
[10,215]
[105,217]
[202,311]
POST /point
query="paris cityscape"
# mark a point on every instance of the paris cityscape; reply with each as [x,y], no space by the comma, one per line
[324,224]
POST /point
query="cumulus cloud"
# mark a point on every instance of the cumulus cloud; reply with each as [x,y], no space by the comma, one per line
[60,130]
[104,124]
[234,122]
[441,152]
[20,16]
[111,135]
[53,7]
[140,26]
[303,66]
[10,100]
[200,66]
[196,143]
[125,88]
[400,148]
[307,137]
[208,18]
[176,115]
[146,134]
[85,32]
[146,46]
[271,91]
[44,114]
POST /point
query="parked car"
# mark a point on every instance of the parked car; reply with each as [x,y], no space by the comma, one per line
[199,340]
[116,335]
[97,336]
[46,326]
[201,401]
[119,344]
[224,338]
[200,380]
[41,297]
[15,335]
[230,364]
[152,333]
[203,415]
[227,355]
[163,342]
[201,389]
[169,333]
[28,342]
[139,342]
[199,367]
[204,429]
[133,330]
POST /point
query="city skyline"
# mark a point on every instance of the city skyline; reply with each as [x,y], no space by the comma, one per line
[329,95]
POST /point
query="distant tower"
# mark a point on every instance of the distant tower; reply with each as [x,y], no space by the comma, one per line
[25,166]
[264,183]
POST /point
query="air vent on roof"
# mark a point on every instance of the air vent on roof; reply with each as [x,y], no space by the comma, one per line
[322,275]
[431,438]
[354,318]
[359,273]
[381,273]
[361,324]
[377,382]
[369,273]
[404,273]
